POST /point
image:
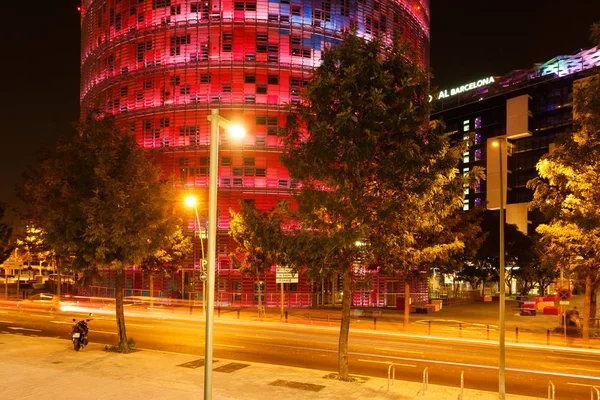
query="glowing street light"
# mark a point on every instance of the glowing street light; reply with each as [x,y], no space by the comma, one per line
[236,131]
[502,338]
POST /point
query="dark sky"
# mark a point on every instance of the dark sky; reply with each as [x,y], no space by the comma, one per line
[470,39]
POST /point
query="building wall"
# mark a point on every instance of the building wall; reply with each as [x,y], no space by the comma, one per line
[160,65]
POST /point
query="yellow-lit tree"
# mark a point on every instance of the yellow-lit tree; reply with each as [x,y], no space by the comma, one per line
[568,193]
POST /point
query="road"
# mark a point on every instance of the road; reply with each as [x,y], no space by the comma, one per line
[528,367]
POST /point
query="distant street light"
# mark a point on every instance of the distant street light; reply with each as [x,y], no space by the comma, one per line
[235,131]
[502,338]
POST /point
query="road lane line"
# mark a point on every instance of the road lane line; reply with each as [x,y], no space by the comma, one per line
[387,363]
[7,322]
[108,333]
[18,328]
[230,345]
[401,350]
[140,325]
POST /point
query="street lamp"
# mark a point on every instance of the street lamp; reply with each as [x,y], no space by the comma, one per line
[502,338]
[235,131]
[191,201]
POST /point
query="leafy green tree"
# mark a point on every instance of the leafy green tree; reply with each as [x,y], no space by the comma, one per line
[6,246]
[377,179]
[168,258]
[260,241]
[101,201]
[568,194]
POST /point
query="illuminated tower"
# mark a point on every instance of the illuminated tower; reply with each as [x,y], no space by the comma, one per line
[160,65]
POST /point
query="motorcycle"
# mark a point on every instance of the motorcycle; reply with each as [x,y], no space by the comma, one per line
[79,333]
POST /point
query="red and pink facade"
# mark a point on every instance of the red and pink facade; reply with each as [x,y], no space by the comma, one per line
[160,66]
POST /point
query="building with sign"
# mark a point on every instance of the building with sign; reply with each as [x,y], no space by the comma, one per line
[160,66]
[527,108]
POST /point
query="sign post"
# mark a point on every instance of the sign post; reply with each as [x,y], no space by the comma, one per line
[563,300]
[285,275]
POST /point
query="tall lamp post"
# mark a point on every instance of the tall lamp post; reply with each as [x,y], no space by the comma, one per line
[191,201]
[502,338]
[237,131]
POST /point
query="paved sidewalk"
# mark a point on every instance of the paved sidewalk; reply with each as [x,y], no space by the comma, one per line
[47,368]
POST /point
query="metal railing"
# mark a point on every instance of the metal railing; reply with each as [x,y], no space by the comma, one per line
[592,389]
[392,374]
[551,390]
[462,385]
[425,380]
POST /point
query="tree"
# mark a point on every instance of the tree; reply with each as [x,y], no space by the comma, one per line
[6,246]
[377,179]
[167,259]
[101,202]
[260,241]
[567,190]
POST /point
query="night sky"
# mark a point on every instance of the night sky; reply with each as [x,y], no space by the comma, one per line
[470,39]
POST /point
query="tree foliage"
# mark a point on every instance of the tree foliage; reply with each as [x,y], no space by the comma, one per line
[101,202]
[260,241]
[568,194]
[373,171]
[6,245]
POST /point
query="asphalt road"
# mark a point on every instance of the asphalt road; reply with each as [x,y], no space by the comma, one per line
[528,367]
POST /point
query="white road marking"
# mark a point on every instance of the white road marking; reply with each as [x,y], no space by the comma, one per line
[140,325]
[18,328]
[401,350]
[108,333]
[7,322]
[230,345]
[61,322]
[388,363]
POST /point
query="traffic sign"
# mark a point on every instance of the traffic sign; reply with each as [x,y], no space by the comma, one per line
[564,294]
[563,303]
[285,275]
[203,276]
[203,265]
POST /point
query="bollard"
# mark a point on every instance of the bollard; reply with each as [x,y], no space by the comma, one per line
[239,313]
[517,334]
[425,379]
[460,329]
[375,323]
[429,327]
[286,316]
[548,337]
[219,311]
[488,332]
[462,385]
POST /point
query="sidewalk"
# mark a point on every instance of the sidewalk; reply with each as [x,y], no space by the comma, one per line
[47,368]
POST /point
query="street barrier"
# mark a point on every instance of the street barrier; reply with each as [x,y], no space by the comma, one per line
[592,389]
[462,385]
[425,380]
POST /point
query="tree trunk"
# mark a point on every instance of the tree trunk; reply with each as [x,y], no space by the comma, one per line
[586,309]
[343,373]
[122,344]
[260,306]
[593,303]
[406,302]
[151,287]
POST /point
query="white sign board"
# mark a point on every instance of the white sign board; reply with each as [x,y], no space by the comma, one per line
[285,275]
